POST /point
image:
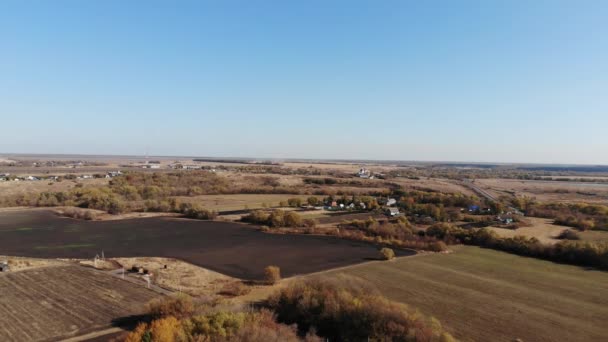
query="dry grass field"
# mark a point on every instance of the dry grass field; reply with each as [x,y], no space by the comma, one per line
[17,264]
[542,229]
[485,295]
[53,303]
[180,276]
[436,184]
[594,235]
[10,188]
[547,191]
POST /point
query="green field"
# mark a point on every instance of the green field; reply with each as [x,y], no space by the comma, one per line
[485,295]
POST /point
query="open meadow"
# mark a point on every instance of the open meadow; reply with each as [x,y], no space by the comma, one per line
[484,295]
[547,191]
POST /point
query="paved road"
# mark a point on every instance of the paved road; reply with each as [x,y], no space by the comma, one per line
[478,190]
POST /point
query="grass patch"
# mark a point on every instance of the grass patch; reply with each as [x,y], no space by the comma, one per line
[486,295]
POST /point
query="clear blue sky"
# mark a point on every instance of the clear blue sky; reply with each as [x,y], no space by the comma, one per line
[504,81]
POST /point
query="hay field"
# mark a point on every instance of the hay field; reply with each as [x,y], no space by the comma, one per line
[485,295]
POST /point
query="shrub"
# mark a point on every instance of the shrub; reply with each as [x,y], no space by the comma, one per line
[294,202]
[438,246]
[292,219]
[309,223]
[77,213]
[235,289]
[276,219]
[178,306]
[387,253]
[568,234]
[312,201]
[195,211]
[272,274]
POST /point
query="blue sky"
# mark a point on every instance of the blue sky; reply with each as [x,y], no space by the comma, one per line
[499,81]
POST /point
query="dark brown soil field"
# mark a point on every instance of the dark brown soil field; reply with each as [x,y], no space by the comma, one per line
[233,249]
[52,303]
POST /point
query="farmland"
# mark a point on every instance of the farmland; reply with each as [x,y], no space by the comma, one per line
[233,249]
[485,295]
[58,302]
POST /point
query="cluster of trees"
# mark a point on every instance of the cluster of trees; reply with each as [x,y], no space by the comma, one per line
[572,252]
[438,206]
[342,308]
[278,218]
[578,215]
[398,234]
[176,319]
[369,202]
[338,308]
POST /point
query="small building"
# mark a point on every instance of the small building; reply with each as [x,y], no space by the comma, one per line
[4,266]
[391,202]
[364,173]
[392,211]
[192,167]
[113,174]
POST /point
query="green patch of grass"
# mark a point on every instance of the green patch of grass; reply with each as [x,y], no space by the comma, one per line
[71,246]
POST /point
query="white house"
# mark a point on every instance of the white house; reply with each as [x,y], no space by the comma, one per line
[392,211]
[364,173]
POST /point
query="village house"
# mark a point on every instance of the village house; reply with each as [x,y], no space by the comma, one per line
[364,173]
[392,212]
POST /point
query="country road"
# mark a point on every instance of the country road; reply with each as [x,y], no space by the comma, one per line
[478,190]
